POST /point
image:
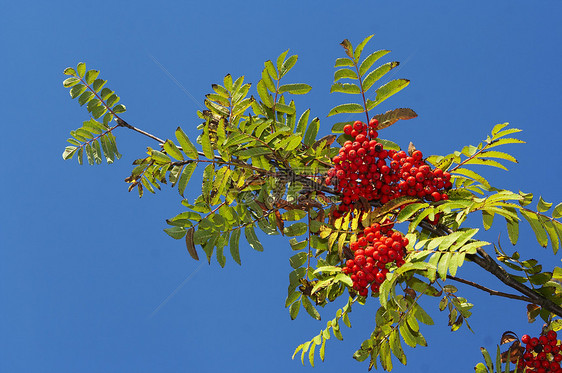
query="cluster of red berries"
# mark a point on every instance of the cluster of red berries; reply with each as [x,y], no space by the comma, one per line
[363,168]
[542,354]
[376,247]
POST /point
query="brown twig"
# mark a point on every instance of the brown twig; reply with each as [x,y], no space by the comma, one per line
[492,292]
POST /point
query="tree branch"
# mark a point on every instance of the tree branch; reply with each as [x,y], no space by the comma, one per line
[486,262]
[492,292]
[122,123]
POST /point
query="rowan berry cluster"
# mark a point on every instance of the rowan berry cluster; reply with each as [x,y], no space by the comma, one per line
[363,168]
[376,248]
[542,354]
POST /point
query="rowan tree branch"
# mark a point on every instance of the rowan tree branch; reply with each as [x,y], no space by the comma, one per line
[492,292]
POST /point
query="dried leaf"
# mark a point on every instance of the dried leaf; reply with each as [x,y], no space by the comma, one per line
[279,221]
[390,117]
[508,336]
[515,352]
[411,292]
[328,140]
[411,148]
[532,312]
[190,245]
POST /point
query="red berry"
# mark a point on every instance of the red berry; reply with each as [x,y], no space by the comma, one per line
[373,123]
[358,125]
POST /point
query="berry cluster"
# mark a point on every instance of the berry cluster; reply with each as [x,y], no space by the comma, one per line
[542,354]
[363,168]
[376,247]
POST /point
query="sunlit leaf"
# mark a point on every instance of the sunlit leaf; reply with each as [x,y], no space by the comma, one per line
[370,60]
[346,108]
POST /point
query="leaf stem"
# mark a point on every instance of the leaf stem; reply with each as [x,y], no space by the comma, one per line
[362,91]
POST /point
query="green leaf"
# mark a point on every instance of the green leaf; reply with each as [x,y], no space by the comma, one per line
[175,232]
[298,259]
[512,229]
[81,69]
[388,90]
[340,62]
[378,73]
[296,229]
[557,212]
[172,150]
[91,76]
[241,106]
[271,70]
[185,176]
[347,108]
[538,228]
[385,357]
[359,49]
[267,81]
[370,60]
[117,109]
[187,146]
[234,245]
[543,206]
[288,65]
[206,142]
[551,230]
[407,335]
[421,315]
[159,157]
[294,310]
[302,123]
[69,71]
[473,175]
[284,108]
[480,368]
[345,88]
[395,346]
[252,238]
[98,84]
[410,210]
[344,73]
[77,90]
[313,312]
[85,97]
[505,141]
[281,59]
[253,152]
[264,95]
[295,89]
[487,219]
[292,297]
[311,132]
[69,152]
[500,155]
[70,82]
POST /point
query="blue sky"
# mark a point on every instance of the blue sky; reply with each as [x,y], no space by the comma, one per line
[84,264]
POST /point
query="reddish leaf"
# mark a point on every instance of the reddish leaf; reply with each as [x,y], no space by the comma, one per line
[390,117]
[279,221]
[348,48]
[508,336]
[532,312]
